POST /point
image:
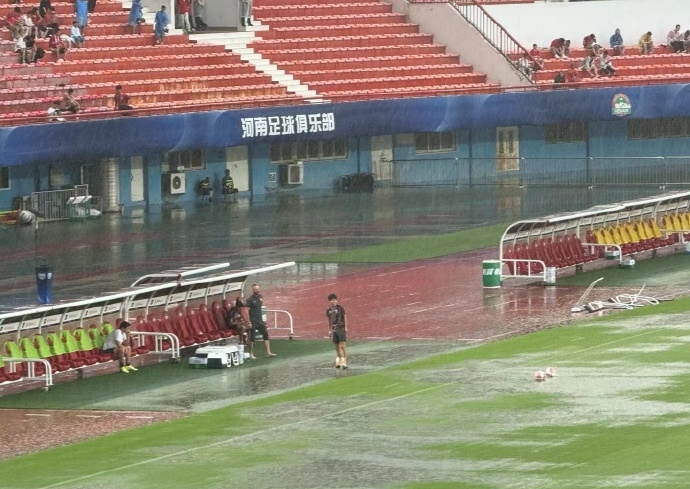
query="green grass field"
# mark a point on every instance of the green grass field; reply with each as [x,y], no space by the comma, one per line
[616,415]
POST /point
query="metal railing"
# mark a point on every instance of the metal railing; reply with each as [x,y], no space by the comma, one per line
[669,171]
[494,33]
[55,205]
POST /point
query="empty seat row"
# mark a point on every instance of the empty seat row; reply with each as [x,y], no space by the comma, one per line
[559,252]
[343,41]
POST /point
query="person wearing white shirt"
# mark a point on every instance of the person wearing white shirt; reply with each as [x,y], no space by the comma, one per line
[118,343]
[675,39]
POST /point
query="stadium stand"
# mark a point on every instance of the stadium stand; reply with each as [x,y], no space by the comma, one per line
[347,51]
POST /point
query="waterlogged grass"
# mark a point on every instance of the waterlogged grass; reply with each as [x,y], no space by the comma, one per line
[617,414]
[405,250]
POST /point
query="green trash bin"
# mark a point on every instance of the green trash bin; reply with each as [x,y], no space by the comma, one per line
[491,274]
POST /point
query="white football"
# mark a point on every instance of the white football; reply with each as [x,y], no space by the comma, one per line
[539,375]
[25,217]
[550,372]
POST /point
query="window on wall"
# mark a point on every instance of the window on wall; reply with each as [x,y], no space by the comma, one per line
[328,149]
[669,127]
[4,177]
[429,142]
[193,159]
[567,132]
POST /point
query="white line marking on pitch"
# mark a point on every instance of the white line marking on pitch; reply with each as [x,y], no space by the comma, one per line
[89,416]
[33,414]
[139,417]
[311,419]
[242,437]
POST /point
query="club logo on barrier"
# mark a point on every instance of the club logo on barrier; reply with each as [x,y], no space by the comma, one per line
[620,105]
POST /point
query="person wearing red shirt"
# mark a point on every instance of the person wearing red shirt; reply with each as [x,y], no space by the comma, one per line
[557,48]
[183,8]
[572,76]
[538,62]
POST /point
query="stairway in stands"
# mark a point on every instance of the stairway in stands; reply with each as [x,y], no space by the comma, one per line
[178,73]
[359,49]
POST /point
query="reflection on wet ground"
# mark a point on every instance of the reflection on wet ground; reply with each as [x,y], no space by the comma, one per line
[92,256]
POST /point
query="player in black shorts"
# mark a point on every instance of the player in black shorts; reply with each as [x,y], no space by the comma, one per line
[337,327]
[255,303]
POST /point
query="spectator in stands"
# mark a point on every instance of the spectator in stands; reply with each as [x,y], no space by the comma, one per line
[76,36]
[566,48]
[605,65]
[92,6]
[200,15]
[20,47]
[675,40]
[183,12]
[228,185]
[13,22]
[121,99]
[161,25]
[646,44]
[118,343]
[54,112]
[30,30]
[255,304]
[538,62]
[557,48]
[590,44]
[82,14]
[57,45]
[32,52]
[48,23]
[246,12]
[559,80]
[686,41]
[69,103]
[206,189]
[135,14]
[588,65]
[524,64]
[237,319]
[337,329]
[572,75]
[616,43]
[43,7]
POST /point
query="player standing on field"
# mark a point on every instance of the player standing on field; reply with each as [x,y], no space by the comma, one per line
[337,327]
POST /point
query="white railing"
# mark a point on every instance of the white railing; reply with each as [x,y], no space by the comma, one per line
[275,325]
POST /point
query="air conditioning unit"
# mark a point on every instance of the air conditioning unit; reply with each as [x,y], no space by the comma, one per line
[295,173]
[177,183]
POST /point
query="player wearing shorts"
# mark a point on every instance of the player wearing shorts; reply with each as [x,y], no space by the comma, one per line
[255,303]
[337,328]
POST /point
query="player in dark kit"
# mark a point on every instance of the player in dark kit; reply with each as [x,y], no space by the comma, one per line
[337,327]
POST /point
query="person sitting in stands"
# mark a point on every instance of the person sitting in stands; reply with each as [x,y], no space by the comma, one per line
[588,65]
[75,35]
[559,80]
[646,44]
[557,48]
[206,189]
[57,45]
[572,76]
[605,65]
[121,99]
[13,21]
[69,104]
[616,43]
[590,44]
[538,63]
[566,48]
[524,64]
[48,23]
[20,48]
[118,343]
[54,112]
[43,7]
[30,30]
[228,185]
[686,41]
[675,40]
